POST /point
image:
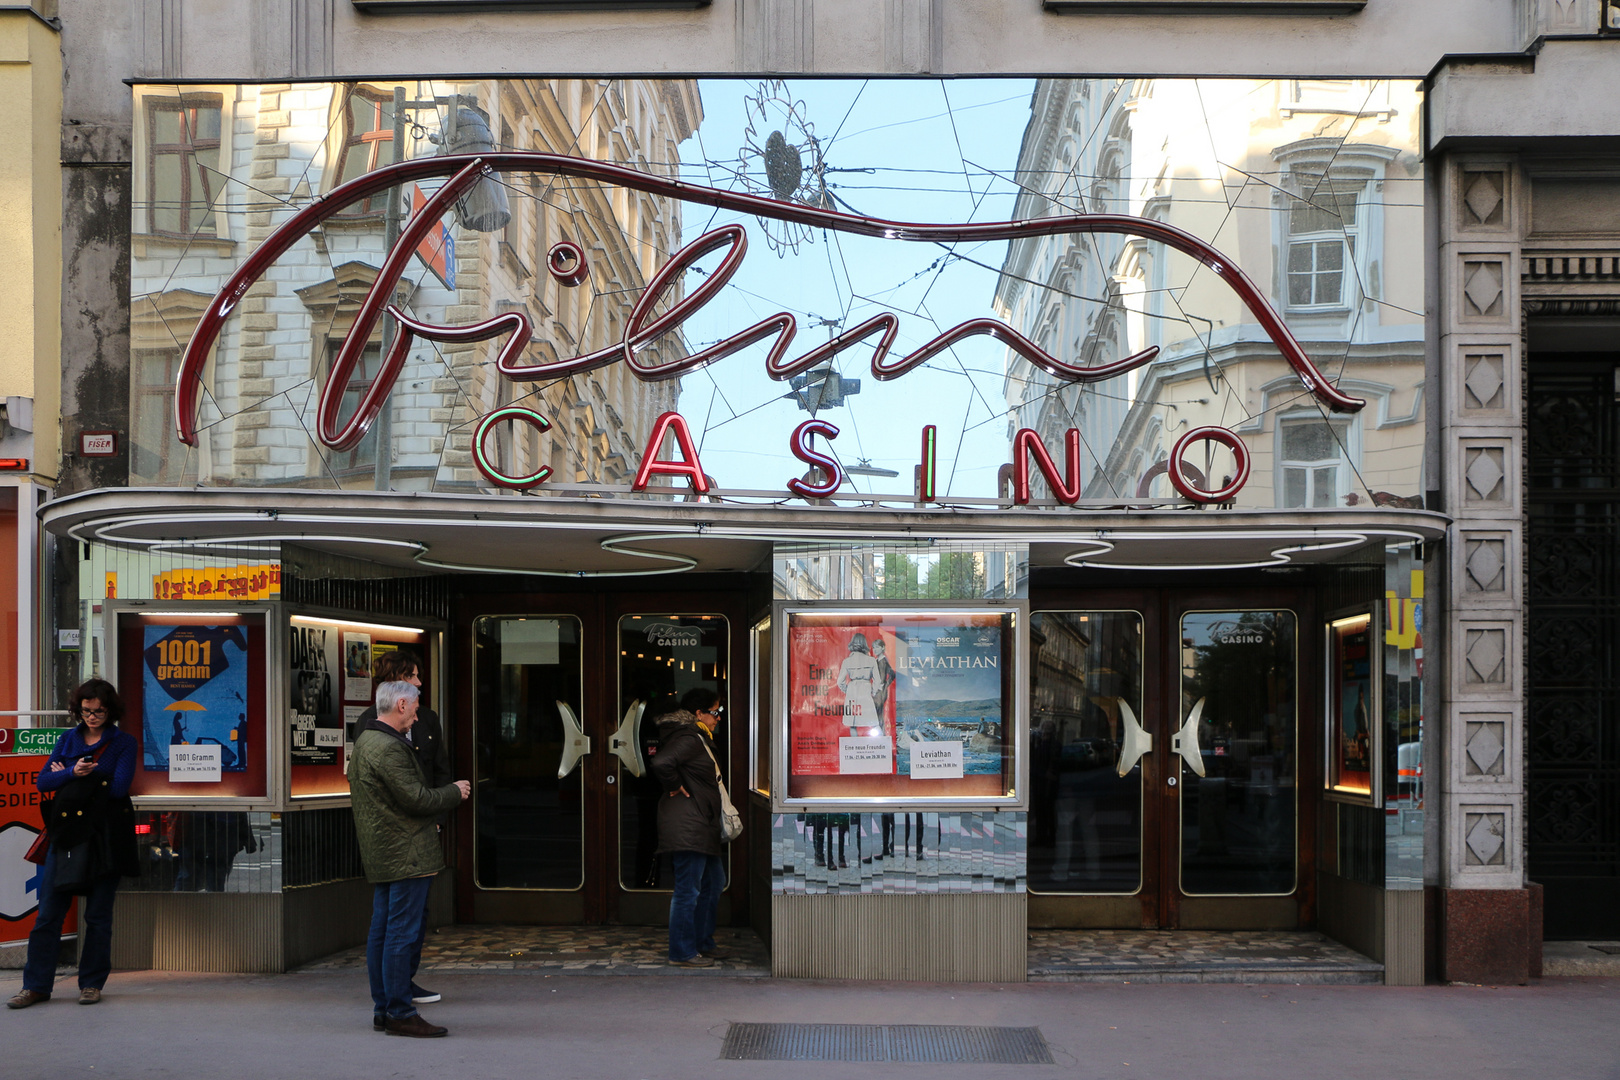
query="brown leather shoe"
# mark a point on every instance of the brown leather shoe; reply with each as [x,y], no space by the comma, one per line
[89,995]
[416,1028]
[26,998]
[693,961]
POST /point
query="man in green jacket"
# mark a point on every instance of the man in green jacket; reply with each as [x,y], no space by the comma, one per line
[395,815]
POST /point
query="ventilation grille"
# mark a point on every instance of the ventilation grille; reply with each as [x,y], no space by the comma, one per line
[908,1043]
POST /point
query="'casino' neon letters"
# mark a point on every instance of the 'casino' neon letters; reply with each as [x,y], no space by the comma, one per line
[643,327]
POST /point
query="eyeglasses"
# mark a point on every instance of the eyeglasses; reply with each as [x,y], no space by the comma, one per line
[99,714]
[716,711]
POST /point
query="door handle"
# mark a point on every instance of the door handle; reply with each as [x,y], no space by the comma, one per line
[576,744]
[1136,743]
[1185,741]
[626,742]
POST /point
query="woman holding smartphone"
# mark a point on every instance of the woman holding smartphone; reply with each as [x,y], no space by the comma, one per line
[89,773]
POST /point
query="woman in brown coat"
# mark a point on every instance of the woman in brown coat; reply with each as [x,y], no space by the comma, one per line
[689,824]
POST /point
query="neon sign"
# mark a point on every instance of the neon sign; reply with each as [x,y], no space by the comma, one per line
[568,264]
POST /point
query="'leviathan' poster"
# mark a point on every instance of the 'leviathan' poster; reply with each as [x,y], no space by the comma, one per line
[864,697]
[195,693]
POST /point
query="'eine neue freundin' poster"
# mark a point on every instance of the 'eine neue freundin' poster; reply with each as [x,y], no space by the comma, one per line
[875,695]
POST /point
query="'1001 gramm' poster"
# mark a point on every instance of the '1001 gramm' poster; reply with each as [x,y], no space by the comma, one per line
[194,694]
[879,695]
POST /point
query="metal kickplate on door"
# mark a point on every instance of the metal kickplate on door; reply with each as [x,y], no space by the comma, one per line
[941,1044]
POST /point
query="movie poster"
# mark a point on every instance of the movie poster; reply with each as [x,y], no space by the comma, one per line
[194,693]
[916,698]
[317,715]
[356,666]
[1352,707]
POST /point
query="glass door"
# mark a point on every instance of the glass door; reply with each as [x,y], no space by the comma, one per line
[661,659]
[1163,765]
[528,806]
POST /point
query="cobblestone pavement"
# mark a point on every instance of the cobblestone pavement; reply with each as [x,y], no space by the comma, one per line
[573,950]
[1054,955]
[1195,956]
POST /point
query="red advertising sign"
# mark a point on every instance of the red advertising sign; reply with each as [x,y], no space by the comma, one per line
[20,824]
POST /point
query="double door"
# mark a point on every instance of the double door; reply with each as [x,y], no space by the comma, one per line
[564,699]
[1167,745]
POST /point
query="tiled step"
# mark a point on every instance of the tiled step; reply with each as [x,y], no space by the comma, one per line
[1196,956]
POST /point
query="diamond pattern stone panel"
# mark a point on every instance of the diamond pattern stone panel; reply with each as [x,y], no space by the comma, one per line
[1483,197]
[1485,470]
[1485,839]
[1483,287]
[1484,380]
[1486,748]
[1486,565]
[1485,655]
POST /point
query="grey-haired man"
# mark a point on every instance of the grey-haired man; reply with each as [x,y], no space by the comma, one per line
[395,813]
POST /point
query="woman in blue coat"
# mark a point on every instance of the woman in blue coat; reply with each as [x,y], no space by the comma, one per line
[98,761]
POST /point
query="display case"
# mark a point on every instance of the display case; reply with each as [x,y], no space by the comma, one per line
[193,684]
[1353,737]
[899,705]
[329,687]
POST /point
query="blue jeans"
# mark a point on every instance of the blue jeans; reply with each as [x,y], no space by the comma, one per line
[95,932]
[692,909]
[397,910]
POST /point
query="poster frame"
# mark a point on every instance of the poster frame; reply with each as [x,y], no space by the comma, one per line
[265,612]
[1017,650]
[1332,721]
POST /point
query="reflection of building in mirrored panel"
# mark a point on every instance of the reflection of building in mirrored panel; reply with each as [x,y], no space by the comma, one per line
[223,167]
[1314,188]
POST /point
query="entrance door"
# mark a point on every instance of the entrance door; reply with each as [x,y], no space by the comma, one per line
[1164,751]
[564,701]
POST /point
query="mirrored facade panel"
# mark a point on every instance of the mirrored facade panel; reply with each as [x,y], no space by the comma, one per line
[1237,255]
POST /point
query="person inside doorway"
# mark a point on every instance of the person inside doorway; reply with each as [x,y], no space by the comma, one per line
[689,824]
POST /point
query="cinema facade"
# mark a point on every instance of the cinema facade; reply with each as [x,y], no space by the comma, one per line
[1101,500]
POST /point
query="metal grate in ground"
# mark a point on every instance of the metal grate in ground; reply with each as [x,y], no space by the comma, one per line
[922,1044]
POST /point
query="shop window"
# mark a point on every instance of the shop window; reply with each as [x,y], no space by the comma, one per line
[1321,240]
[1314,462]
[368,143]
[182,157]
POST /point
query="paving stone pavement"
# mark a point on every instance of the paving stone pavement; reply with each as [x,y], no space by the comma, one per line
[1300,956]
[573,950]
[1054,955]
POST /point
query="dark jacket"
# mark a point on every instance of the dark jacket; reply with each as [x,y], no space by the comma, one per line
[84,806]
[427,739]
[394,809]
[686,824]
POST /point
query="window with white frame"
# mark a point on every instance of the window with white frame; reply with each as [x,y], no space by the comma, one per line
[1322,232]
[1313,461]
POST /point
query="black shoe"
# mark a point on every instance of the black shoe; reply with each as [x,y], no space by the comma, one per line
[379,1021]
[414,1027]
[422,996]
[715,954]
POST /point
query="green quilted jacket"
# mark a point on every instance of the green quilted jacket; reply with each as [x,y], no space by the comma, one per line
[394,809]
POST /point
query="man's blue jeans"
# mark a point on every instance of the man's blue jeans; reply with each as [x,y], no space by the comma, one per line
[397,909]
[699,879]
[95,932]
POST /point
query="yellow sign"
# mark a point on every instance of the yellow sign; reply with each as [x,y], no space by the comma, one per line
[262,582]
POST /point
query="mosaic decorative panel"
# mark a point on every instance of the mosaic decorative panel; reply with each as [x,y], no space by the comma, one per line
[898,853]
